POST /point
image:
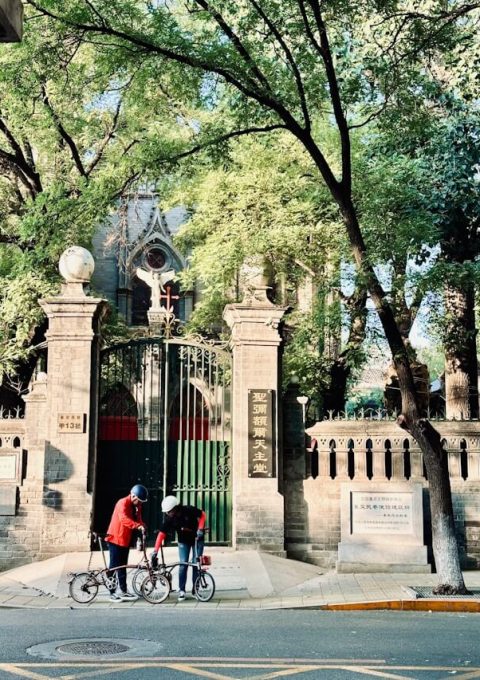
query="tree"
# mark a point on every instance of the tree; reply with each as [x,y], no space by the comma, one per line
[261,198]
[436,190]
[454,197]
[277,65]
[69,126]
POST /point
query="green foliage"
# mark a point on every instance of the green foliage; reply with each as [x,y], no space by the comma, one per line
[365,400]
[433,357]
[261,200]
[303,359]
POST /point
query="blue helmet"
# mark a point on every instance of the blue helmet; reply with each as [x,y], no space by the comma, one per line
[140,492]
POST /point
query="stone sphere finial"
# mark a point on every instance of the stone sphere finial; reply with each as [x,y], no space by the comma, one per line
[76,265]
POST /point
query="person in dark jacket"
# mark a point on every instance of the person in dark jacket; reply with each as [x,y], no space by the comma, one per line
[189,523]
[126,517]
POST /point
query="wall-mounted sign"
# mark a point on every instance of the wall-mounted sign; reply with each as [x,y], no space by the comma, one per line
[261,461]
[71,423]
[8,466]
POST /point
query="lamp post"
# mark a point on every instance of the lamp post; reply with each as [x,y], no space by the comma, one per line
[11,21]
[303,401]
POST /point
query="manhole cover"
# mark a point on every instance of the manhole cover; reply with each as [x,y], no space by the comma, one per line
[93,648]
[427,592]
[100,648]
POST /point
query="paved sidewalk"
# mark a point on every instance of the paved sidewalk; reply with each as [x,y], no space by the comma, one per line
[244,580]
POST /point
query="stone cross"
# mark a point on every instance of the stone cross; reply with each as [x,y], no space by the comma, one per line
[156,281]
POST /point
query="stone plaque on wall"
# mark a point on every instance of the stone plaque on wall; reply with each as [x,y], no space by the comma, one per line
[71,423]
[382,527]
[261,461]
[8,467]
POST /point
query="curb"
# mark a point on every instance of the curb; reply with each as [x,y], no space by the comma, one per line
[420,605]
[423,605]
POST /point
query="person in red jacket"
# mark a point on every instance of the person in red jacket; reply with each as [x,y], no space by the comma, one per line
[189,523]
[126,517]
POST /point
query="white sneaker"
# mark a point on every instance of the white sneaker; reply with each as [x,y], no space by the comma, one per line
[127,597]
[181,595]
[114,597]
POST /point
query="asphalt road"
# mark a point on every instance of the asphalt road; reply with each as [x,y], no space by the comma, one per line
[227,645]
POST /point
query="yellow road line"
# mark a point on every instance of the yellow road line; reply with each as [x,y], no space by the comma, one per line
[376,673]
[286,671]
[186,668]
[215,670]
[22,672]
[117,668]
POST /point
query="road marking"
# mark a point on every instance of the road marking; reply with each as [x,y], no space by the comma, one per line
[261,669]
[286,671]
[186,668]
[376,673]
[96,672]
[22,672]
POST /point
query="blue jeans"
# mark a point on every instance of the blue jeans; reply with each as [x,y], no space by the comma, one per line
[183,555]
[118,557]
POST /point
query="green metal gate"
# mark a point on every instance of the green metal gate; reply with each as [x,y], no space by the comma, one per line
[164,421]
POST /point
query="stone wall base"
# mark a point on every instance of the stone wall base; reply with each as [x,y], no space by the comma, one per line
[39,531]
[258,519]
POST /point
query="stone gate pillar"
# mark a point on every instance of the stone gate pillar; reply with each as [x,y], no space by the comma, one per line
[72,336]
[258,507]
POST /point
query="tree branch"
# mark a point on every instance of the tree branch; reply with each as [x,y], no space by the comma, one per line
[26,173]
[64,134]
[249,89]
[236,42]
[223,138]
[290,59]
[105,141]
[335,97]
[308,28]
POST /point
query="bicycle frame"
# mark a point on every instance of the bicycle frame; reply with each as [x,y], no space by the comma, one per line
[105,577]
[167,569]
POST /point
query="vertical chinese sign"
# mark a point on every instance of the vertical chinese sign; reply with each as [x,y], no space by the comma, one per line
[261,461]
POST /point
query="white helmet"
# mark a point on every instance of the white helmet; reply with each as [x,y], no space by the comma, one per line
[169,502]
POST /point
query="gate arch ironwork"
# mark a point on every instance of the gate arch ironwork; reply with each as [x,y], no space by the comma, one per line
[164,421]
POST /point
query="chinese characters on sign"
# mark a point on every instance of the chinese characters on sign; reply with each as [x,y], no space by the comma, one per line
[260,433]
[382,513]
[71,423]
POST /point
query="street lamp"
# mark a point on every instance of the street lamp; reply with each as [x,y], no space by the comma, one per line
[303,401]
[11,21]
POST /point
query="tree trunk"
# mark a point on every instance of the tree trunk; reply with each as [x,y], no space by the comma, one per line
[461,366]
[335,395]
[445,548]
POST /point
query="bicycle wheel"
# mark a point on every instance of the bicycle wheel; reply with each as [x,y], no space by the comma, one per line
[204,587]
[155,589]
[137,580]
[83,588]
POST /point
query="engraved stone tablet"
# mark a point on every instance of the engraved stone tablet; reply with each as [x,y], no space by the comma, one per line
[382,528]
[380,513]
